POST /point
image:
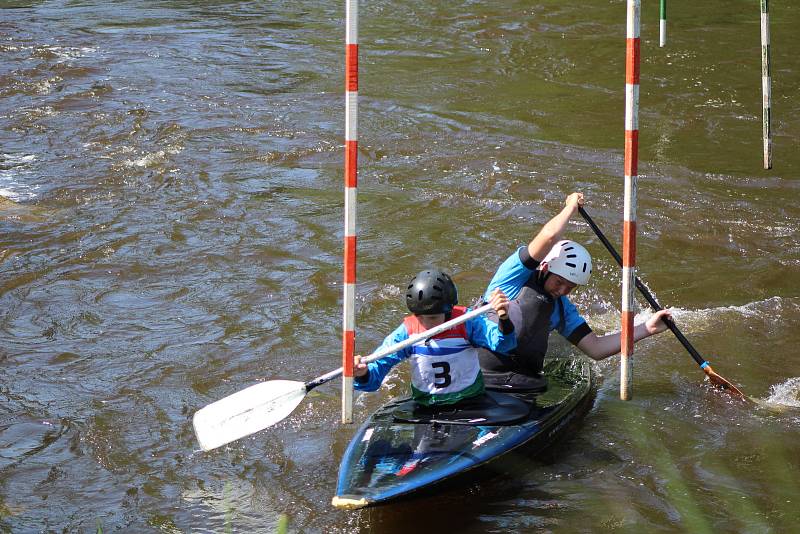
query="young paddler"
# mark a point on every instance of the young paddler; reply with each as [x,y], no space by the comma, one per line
[445,368]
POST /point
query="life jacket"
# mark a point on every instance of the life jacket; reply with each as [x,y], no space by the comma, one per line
[530,312]
[444,368]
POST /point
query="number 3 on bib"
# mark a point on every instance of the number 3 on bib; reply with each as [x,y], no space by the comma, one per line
[444,374]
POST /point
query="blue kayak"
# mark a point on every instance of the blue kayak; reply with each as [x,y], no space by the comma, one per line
[403,449]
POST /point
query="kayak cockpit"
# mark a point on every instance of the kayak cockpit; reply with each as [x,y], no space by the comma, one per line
[491,408]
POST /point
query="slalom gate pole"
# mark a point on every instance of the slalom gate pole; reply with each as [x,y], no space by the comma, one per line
[631,172]
[350,189]
[766,86]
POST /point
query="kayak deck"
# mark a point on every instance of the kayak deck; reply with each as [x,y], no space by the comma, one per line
[388,458]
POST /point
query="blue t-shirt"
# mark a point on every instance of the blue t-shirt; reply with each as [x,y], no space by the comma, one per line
[513,274]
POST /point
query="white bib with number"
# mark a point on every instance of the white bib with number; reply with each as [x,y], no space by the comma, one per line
[441,366]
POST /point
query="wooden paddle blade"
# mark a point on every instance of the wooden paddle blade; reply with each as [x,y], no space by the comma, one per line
[721,383]
[246,412]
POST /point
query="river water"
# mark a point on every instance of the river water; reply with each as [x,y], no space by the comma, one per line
[171,231]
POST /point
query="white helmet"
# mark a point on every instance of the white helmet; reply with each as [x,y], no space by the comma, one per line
[569,260]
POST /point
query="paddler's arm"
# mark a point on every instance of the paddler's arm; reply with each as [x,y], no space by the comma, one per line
[512,274]
[517,269]
[601,347]
[369,377]
[498,336]
[552,231]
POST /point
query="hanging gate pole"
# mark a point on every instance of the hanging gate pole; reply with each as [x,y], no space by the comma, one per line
[350,189]
[766,85]
[631,171]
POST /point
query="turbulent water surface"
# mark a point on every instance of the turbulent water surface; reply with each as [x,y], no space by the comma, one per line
[171,213]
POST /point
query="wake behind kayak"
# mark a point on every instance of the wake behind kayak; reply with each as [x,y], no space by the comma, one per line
[397,452]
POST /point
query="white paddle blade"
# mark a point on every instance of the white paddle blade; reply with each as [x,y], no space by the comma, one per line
[246,412]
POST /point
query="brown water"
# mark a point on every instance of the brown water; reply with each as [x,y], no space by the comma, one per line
[171,233]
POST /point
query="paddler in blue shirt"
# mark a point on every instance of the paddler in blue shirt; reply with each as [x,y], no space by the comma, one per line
[445,368]
[537,278]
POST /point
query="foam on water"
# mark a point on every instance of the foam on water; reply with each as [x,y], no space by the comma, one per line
[70,52]
[13,168]
[785,394]
[771,307]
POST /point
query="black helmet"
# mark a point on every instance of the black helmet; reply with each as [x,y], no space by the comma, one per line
[431,292]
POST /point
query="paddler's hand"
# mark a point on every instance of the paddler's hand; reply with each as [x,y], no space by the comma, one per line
[499,303]
[359,368]
[573,201]
[654,324]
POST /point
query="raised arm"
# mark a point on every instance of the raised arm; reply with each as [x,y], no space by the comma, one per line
[552,231]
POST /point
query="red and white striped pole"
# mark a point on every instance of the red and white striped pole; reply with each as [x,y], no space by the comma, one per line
[350,189]
[631,172]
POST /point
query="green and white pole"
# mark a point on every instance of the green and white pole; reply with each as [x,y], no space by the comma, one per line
[662,24]
[766,85]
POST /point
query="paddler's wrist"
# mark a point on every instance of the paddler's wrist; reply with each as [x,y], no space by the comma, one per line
[363,378]
[504,322]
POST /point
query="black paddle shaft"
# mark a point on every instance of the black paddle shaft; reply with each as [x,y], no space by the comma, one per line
[644,291]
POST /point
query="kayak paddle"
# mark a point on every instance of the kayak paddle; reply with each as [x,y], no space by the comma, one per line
[262,405]
[713,377]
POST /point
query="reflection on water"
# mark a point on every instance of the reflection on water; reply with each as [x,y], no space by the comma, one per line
[170,232]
